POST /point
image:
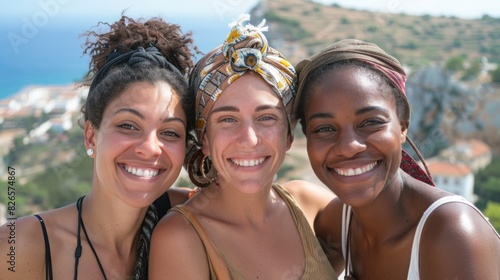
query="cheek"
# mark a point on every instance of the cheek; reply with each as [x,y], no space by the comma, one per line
[316,152]
[176,152]
[391,135]
[107,141]
[279,132]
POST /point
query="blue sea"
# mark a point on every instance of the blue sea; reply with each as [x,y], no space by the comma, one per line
[52,54]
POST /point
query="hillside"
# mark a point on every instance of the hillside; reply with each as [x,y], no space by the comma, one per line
[447,60]
[300,28]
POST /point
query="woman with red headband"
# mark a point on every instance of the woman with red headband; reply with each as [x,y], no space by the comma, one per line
[388,221]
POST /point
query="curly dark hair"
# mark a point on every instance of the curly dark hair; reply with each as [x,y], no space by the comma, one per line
[126,35]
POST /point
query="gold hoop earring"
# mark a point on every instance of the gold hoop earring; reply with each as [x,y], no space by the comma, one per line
[207,169]
[195,165]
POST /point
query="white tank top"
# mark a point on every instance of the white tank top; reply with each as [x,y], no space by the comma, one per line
[413,271]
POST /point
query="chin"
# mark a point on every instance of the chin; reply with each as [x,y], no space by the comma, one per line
[251,187]
[139,199]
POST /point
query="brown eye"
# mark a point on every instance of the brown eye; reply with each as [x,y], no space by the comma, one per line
[126,126]
[372,122]
[171,134]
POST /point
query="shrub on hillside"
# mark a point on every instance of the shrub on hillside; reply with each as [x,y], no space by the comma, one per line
[495,75]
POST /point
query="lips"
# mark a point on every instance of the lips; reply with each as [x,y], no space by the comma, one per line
[355,171]
[248,162]
[141,172]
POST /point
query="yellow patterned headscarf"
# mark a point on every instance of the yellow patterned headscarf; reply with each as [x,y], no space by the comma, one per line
[245,49]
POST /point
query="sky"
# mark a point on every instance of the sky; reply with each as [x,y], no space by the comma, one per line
[35,15]
[28,18]
[224,10]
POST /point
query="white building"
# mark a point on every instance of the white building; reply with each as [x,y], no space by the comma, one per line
[474,153]
[456,178]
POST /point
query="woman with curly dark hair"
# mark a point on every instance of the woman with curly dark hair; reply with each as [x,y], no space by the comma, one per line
[137,116]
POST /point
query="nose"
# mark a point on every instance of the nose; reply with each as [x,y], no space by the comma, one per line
[349,143]
[149,146]
[248,136]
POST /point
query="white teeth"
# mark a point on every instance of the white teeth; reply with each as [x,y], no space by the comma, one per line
[146,173]
[252,162]
[355,171]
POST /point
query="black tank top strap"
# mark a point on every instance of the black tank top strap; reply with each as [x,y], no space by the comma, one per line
[48,258]
[162,205]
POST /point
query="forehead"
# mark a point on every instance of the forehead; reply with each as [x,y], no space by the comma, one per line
[247,89]
[141,92]
[147,97]
[354,79]
[350,85]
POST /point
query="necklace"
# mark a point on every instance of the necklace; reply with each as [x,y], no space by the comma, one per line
[78,250]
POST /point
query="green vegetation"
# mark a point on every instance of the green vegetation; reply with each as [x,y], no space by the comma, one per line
[487,183]
[345,20]
[487,188]
[495,75]
[49,174]
[455,63]
[410,46]
[426,17]
[492,211]
[418,40]
[472,71]
[289,26]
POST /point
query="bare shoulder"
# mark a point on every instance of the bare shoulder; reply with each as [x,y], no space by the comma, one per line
[318,203]
[458,240]
[22,249]
[175,247]
[308,195]
[26,238]
[175,225]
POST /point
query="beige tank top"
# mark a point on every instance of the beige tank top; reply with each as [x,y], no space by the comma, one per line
[317,265]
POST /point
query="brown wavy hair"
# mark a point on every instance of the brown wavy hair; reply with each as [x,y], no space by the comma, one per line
[126,35]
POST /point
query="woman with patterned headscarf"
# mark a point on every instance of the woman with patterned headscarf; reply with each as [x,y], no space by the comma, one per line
[241,225]
[388,221]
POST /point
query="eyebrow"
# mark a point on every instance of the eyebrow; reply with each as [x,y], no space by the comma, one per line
[371,108]
[142,117]
[321,116]
[235,109]
[357,113]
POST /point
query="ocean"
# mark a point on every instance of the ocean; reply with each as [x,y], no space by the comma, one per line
[52,54]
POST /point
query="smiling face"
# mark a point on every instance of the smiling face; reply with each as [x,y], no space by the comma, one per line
[354,136]
[140,145]
[247,135]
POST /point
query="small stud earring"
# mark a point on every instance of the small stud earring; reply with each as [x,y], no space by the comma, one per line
[90,152]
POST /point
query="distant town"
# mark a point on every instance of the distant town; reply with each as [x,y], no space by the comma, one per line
[59,103]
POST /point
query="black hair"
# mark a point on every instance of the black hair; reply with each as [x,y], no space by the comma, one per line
[126,35]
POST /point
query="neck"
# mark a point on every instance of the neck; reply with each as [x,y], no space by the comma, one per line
[385,216]
[245,208]
[110,221]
